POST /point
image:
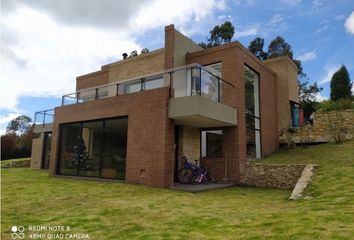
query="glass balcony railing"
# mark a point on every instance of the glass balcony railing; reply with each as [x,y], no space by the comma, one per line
[188,80]
[44,117]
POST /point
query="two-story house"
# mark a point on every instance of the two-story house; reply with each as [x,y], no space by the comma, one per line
[134,119]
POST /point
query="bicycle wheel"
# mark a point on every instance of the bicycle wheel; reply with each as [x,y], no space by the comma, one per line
[185,176]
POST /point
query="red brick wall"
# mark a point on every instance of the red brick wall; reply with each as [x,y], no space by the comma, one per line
[150,154]
[150,151]
[92,79]
[233,57]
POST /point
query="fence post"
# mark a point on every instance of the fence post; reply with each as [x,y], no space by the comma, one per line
[44,118]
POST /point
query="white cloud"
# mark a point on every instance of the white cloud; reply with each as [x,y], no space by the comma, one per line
[181,13]
[349,24]
[276,23]
[309,56]
[317,4]
[329,73]
[53,54]
[82,13]
[320,97]
[245,2]
[2,131]
[42,51]
[292,2]
[339,17]
[276,19]
[246,32]
[8,117]
[5,119]
[322,29]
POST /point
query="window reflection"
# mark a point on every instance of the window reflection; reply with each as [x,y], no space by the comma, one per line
[252,113]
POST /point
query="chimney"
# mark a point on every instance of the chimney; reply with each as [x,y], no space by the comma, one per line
[125,55]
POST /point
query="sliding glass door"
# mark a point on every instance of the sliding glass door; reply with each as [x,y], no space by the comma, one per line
[94,148]
[90,149]
[115,148]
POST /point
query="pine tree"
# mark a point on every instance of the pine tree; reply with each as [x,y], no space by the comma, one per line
[341,86]
[81,156]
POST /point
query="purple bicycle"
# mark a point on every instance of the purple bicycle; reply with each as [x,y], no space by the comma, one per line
[193,174]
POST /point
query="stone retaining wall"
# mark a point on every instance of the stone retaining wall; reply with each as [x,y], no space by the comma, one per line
[17,164]
[322,128]
[284,176]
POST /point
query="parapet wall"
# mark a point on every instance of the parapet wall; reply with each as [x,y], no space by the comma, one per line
[325,124]
[283,176]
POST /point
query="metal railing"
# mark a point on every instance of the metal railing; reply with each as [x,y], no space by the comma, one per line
[44,117]
[188,80]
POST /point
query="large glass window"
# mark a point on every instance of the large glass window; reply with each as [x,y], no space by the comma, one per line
[94,149]
[211,143]
[253,134]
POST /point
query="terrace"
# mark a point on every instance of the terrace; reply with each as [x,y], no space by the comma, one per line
[201,88]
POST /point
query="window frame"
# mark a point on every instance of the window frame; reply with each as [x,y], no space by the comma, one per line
[245,65]
[59,146]
[206,143]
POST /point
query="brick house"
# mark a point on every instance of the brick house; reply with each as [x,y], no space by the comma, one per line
[134,119]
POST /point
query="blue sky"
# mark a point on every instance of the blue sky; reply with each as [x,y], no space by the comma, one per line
[46,44]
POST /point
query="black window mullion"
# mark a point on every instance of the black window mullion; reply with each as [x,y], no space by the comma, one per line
[80,139]
[200,81]
[192,81]
[102,147]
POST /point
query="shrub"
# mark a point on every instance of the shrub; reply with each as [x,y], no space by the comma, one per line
[342,104]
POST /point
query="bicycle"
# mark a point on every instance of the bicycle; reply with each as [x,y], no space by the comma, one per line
[193,174]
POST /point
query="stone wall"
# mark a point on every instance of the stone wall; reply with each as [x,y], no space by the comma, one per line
[16,164]
[189,143]
[320,131]
[284,176]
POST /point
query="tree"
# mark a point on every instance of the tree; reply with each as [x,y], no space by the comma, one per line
[144,50]
[8,145]
[133,53]
[219,34]
[25,141]
[308,94]
[19,125]
[256,47]
[341,86]
[278,47]
[299,68]
[81,157]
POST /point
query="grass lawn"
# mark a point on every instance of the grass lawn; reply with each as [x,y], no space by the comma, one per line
[110,210]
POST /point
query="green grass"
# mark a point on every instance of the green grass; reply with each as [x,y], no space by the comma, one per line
[110,210]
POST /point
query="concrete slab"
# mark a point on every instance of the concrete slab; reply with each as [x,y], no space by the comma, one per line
[200,187]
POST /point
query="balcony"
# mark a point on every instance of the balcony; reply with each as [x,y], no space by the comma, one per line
[43,120]
[200,88]
[200,99]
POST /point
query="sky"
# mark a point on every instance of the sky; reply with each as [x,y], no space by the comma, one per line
[46,44]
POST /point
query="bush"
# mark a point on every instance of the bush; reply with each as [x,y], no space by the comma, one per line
[342,104]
